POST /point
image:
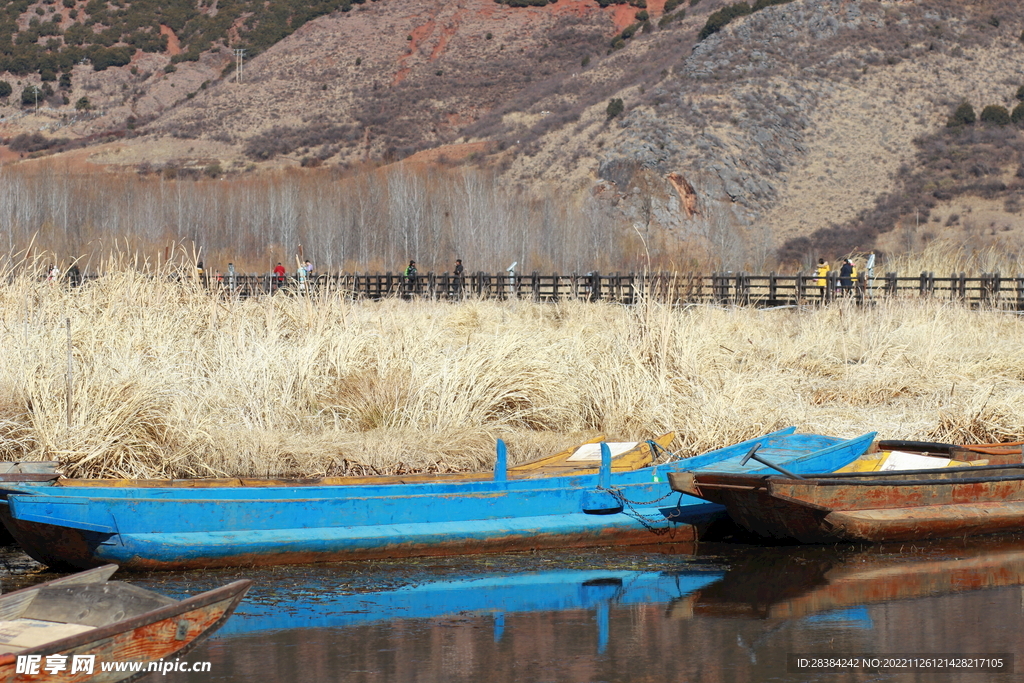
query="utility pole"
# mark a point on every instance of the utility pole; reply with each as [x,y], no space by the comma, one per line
[239,59]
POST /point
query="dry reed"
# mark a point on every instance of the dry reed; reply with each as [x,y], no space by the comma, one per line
[169,380]
[945,257]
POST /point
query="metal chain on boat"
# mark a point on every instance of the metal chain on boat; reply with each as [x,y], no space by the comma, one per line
[630,511]
[629,506]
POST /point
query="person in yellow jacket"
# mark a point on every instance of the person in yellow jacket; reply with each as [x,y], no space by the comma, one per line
[821,273]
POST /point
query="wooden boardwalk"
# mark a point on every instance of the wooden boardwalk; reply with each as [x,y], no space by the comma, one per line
[746,289]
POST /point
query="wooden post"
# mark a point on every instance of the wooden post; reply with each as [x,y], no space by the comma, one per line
[501,462]
[70,377]
[605,476]
[891,284]
[536,286]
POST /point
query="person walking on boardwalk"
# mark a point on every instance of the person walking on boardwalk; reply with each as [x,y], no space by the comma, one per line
[846,275]
[459,275]
[309,274]
[279,273]
[410,276]
[821,272]
[301,276]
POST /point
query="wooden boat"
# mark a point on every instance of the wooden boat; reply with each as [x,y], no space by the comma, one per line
[586,458]
[146,527]
[891,461]
[799,582]
[578,459]
[40,472]
[994,453]
[893,506]
[86,619]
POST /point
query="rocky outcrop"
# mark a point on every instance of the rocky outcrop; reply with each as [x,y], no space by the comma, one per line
[687,196]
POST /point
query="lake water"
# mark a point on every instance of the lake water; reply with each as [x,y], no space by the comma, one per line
[716,613]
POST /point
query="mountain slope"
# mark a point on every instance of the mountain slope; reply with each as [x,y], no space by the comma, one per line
[798,127]
[796,117]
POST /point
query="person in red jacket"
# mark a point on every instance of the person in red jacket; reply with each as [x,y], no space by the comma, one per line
[279,273]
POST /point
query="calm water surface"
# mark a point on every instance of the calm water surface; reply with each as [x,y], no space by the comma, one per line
[715,613]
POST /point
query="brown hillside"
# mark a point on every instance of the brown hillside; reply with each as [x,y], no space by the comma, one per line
[390,78]
[817,116]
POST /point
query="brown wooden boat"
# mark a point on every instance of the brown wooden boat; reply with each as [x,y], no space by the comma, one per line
[85,619]
[29,470]
[791,583]
[994,453]
[868,506]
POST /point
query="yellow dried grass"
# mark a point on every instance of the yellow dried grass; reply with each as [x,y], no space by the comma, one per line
[172,381]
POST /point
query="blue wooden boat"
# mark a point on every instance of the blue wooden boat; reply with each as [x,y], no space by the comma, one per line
[152,527]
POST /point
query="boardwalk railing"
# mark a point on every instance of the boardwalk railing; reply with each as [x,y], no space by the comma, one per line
[727,288]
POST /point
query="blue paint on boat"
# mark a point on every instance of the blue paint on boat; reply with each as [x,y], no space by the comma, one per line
[501,462]
[170,528]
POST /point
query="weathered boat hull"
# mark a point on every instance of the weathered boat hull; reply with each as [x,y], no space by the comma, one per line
[895,506]
[939,521]
[147,528]
[64,546]
[168,631]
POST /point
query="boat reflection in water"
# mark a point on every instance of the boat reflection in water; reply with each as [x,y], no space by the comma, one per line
[815,582]
[722,614]
[491,595]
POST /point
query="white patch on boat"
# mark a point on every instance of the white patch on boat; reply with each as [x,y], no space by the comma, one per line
[592,451]
[899,460]
[21,634]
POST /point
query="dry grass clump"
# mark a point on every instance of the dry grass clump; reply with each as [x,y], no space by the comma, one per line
[171,381]
[944,257]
